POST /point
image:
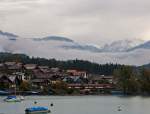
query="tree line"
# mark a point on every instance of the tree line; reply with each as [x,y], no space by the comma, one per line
[90,67]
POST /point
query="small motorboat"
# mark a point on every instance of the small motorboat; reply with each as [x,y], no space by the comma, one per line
[21,98]
[37,110]
[12,99]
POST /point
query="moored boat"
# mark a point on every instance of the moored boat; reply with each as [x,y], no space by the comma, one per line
[21,98]
[4,92]
[12,99]
[37,110]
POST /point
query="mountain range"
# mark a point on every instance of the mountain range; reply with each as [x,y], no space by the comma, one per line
[129,51]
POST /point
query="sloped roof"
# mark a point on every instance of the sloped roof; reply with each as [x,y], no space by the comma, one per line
[30,66]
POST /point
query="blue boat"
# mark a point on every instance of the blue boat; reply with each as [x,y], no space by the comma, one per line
[37,110]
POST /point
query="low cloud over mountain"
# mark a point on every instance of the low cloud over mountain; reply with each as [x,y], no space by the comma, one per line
[133,52]
[56,38]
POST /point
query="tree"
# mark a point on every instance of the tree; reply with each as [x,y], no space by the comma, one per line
[126,80]
[59,87]
[145,81]
[25,86]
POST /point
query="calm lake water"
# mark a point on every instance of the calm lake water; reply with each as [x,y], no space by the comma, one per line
[81,105]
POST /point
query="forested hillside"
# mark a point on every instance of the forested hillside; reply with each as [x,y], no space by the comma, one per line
[103,69]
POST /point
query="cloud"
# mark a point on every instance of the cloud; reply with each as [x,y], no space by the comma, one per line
[72,50]
[91,21]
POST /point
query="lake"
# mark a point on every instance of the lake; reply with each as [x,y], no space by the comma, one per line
[81,105]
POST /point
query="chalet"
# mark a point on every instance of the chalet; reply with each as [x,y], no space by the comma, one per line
[20,75]
[9,80]
[40,82]
[77,73]
[5,81]
[10,63]
[40,74]
[44,69]
[98,79]
[17,66]
[109,78]
[55,70]
[30,66]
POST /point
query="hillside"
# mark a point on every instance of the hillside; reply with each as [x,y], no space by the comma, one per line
[104,69]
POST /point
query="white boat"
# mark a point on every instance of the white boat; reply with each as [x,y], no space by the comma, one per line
[21,98]
[12,99]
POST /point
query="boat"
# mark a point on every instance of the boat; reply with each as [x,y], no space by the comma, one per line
[12,99]
[4,92]
[21,98]
[37,110]
[31,93]
[117,92]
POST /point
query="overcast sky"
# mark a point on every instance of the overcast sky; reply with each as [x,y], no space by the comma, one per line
[90,21]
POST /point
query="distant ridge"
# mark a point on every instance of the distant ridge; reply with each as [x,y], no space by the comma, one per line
[145,45]
[7,34]
[121,45]
[57,38]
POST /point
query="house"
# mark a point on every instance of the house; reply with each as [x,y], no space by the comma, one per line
[110,79]
[17,66]
[40,74]
[45,69]
[10,63]
[2,66]
[20,75]
[9,80]
[100,79]
[40,82]
[5,81]
[30,66]
[77,73]
[55,70]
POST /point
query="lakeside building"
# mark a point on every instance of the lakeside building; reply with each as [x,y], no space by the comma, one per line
[13,73]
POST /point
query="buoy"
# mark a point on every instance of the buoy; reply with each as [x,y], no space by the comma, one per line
[52,104]
[119,108]
[35,102]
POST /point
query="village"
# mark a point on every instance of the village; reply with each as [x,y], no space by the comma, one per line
[31,79]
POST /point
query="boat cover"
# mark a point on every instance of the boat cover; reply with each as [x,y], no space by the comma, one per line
[11,97]
[37,108]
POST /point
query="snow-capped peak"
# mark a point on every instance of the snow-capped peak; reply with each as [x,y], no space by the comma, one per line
[122,45]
